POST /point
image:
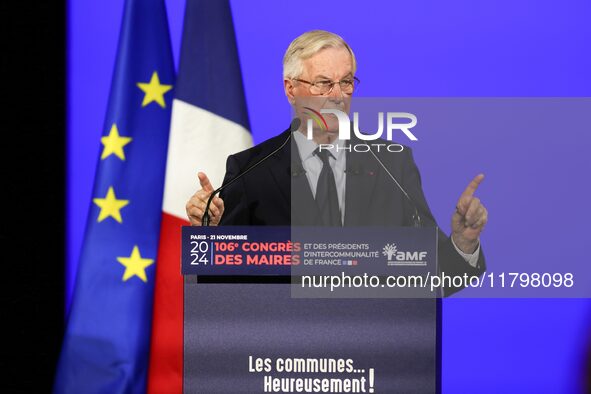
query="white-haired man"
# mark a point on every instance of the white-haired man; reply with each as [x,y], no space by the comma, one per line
[299,185]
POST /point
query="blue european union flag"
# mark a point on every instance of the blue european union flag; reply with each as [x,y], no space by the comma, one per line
[106,345]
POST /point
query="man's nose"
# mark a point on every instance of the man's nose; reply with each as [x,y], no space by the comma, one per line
[334,95]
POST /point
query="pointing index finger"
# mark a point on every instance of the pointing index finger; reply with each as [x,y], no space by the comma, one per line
[473,185]
[204,181]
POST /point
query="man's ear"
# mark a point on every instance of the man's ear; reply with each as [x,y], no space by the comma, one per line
[289,88]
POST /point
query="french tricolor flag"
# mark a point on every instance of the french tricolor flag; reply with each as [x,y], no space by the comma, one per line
[209,122]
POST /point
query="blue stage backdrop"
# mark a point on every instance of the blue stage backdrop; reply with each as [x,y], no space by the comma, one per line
[425,48]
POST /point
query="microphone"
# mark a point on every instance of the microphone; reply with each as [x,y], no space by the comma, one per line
[416,218]
[295,125]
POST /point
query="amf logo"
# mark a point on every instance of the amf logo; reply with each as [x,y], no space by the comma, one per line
[399,258]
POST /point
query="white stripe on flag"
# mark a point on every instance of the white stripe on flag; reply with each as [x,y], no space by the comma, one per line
[199,141]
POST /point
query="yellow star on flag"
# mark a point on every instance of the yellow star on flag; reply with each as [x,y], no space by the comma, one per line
[110,206]
[114,144]
[135,265]
[154,91]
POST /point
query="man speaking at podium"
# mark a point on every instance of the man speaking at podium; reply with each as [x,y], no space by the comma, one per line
[295,183]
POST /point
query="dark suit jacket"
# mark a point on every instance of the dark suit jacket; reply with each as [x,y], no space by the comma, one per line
[277,193]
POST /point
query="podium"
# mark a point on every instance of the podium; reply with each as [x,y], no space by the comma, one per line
[246,329]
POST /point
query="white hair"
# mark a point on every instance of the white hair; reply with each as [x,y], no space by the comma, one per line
[306,46]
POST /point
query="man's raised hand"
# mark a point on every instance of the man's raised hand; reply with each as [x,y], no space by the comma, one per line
[196,205]
[468,220]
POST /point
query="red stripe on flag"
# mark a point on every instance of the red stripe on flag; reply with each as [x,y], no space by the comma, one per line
[166,350]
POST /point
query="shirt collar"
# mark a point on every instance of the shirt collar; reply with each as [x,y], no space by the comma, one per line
[307,147]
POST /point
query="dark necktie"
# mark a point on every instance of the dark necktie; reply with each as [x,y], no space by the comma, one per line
[326,192]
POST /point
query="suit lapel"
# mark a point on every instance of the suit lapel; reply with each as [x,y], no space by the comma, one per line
[280,172]
[304,210]
[291,180]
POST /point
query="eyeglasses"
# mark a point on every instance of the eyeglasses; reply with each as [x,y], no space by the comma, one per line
[326,86]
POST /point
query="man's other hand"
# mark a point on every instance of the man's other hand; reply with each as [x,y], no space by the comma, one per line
[469,219]
[196,205]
